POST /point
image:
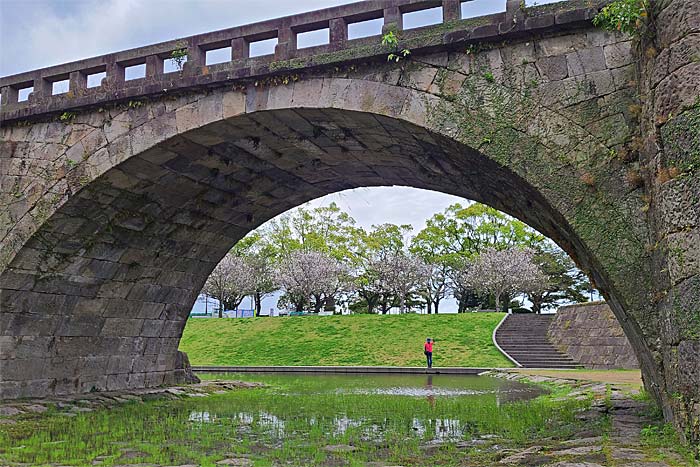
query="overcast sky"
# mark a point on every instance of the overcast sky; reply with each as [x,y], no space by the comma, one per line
[40,33]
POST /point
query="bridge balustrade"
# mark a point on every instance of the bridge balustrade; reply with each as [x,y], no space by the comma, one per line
[39,86]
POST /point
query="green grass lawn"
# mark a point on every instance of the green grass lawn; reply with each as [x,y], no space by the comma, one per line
[371,340]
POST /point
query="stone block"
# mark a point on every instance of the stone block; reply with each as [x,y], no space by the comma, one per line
[92,384]
[26,388]
[152,327]
[122,327]
[420,79]
[618,54]
[117,382]
[585,61]
[28,324]
[120,364]
[136,380]
[554,68]
[93,365]
[23,369]
[80,325]
[233,104]
[154,379]
[677,91]
[684,255]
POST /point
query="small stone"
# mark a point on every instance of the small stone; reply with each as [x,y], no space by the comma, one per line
[339,448]
[582,441]
[578,451]
[9,411]
[35,408]
[627,454]
[239,461]
[576,464]
[521,456]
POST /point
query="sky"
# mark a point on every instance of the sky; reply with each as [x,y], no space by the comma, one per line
[40,33]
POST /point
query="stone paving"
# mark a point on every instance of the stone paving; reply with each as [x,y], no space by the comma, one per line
[620,447]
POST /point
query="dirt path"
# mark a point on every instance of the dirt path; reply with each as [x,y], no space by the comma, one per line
[628,379]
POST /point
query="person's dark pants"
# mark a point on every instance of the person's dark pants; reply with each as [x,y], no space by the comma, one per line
[429,358]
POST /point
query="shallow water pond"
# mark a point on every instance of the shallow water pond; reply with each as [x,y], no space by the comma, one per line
[303,420]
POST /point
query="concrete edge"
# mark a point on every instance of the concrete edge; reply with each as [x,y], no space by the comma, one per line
[341,370]
[493,337]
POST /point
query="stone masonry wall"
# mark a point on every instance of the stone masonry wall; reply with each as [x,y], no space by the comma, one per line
[591,335]
[670,157]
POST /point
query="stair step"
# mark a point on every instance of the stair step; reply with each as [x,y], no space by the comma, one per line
[525,339]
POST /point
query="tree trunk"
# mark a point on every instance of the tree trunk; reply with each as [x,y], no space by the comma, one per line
[317,303]
[498,302]
[430,309]
[461,303]
[436,305]
[221,303]
[258,303]
[402,306]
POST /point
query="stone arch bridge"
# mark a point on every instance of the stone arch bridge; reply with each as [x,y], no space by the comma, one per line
[119,199]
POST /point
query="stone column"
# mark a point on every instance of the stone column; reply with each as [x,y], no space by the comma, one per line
[670,152]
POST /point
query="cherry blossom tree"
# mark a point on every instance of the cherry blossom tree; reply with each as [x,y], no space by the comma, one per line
[306,275]
[230,282]
[504,272]
[402,274]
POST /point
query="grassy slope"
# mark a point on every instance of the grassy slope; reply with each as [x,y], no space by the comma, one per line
[373,340]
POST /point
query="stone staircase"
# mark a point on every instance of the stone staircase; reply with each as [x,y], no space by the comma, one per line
[524,338]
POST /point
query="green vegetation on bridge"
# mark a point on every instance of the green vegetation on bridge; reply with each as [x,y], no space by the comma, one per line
[371,340]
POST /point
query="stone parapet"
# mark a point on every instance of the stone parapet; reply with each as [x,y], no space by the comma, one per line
[194,71]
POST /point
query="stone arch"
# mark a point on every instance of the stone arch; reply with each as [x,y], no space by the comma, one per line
[99,272]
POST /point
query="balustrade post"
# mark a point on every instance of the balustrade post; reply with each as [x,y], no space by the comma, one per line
[154,67]
[393,19]
[196,57]
[77,83]
[338,31]
[451,10]
[115,74]
[240,49]
[10,95]
[286,43]
[514,13]
[42,88]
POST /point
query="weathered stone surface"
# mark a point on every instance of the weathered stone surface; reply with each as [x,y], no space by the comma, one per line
[591,335]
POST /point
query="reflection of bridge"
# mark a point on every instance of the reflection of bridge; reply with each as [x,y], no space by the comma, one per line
[118,200]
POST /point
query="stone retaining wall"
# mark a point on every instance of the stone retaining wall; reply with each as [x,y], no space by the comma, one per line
[592,336]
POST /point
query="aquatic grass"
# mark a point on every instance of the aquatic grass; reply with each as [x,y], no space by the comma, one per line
[294,420]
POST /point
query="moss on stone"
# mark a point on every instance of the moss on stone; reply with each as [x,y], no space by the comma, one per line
[681,137]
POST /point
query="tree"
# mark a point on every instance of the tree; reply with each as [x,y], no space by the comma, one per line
[458,235]
[565,282]
[403,275]
[369,250]
[326,229]
[231,281]
[259,255]
[311,275]
[504,272]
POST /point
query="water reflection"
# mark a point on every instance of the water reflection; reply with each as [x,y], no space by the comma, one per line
[370,426]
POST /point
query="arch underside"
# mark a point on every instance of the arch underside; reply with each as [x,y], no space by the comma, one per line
[101,292]
[99,296]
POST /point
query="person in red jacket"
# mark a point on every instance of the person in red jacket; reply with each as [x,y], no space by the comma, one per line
[428,351]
